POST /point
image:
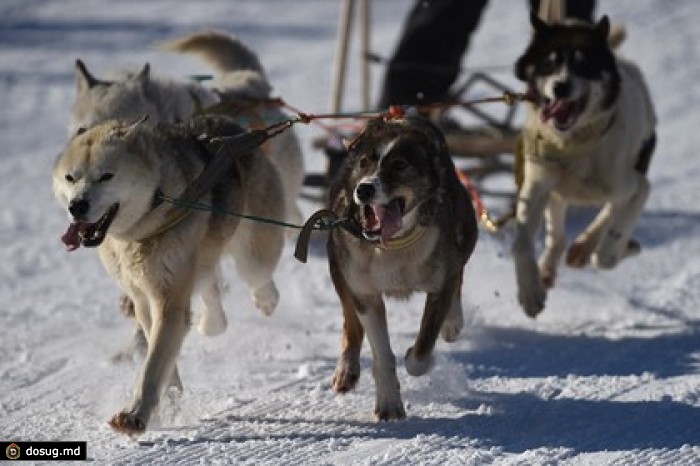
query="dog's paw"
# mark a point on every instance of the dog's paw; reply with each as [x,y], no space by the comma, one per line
[452,327]
[417,367]
[212,324]
[266,298]
[579,253]
[608,257]
[633,248]
[548,277]
[127,423]
[385,410]
[531,291]
[532,299]
[346,375]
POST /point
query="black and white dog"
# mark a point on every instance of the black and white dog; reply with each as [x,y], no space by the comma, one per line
[587,141]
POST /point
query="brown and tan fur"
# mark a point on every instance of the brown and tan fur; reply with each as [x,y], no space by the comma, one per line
[404,159]
[160,265]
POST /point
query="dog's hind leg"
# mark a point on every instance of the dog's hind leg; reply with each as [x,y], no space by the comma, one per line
[454,321]
[555,239]
[347,370]
[213,319]
[419,358]
[615,242]
[579,253]
[138,345]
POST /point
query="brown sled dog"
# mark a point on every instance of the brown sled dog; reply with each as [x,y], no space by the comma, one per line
[415,229]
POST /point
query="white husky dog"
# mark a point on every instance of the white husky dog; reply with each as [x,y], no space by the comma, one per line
[110,180]
[240,89]
[588,140]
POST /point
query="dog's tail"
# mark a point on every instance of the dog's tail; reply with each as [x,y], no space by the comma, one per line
[224,52]
[237,67]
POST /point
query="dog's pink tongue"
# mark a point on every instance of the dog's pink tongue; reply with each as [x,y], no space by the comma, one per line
[71,238]
[550,110]
[389,219]
[559,109]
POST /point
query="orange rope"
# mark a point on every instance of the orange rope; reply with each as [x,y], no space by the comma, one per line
[481,211]
[399,111]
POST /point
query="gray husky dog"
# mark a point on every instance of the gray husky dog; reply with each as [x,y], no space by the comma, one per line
[110,179]
[240,89]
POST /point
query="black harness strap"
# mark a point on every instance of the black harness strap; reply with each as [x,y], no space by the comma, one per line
[323,219]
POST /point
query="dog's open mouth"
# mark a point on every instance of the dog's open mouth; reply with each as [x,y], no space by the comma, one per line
[563,112]
[380,222]
[88,234]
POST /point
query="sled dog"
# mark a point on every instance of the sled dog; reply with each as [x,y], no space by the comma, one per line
[414,230]
[111,179]
[588,140]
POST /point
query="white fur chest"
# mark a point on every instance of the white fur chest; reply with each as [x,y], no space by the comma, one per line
[585,181]
[396,273]
[146,264]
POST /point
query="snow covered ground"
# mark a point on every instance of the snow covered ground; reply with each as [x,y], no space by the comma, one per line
[608,374]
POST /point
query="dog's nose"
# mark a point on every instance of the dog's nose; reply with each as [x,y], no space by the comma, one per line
[562,89]
[365,192]
[78,208]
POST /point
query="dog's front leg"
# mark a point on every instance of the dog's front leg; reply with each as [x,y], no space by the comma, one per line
[347,371]
[372,314]
[532,198]
[169,326]
[454,321]
[615,242]
[419,358]
[555,240]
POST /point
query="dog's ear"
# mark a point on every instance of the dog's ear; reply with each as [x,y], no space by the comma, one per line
[83,79]
[537,23]
[523,71]
[143,76]
[603,27]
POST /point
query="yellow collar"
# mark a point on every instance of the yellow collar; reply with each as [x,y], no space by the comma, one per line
[402,242]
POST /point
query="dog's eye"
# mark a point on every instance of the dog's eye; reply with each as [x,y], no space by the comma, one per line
[398,165]
[550,62]
[364,161]
[580,58]
[70,179]
[80,131]
[106,177]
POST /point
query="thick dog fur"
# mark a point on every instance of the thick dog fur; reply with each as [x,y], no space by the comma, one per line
[240,82]
[587,141]
[416,229]
[108,179]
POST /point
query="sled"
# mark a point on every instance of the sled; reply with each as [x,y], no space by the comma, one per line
[488,140]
